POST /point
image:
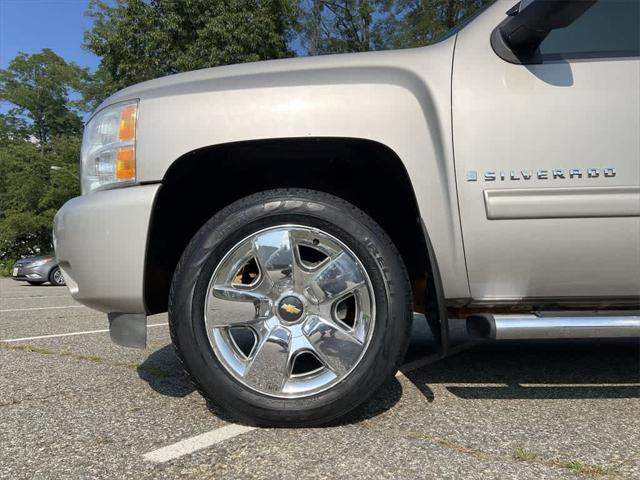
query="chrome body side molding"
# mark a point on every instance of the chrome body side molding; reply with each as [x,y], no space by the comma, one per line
[550,325]
[573,202]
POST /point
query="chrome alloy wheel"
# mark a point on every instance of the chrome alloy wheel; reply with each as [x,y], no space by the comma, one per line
[290,311]
[58,278]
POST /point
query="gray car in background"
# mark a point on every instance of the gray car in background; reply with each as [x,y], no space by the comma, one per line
[38,270]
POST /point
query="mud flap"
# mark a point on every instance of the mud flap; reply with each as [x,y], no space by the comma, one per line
[128,329]
[436,307]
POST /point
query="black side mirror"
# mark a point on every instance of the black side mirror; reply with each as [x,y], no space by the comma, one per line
[518,37]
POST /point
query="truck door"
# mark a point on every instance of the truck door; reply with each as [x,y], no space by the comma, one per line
[548,158]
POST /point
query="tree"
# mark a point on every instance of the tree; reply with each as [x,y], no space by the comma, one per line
[25,226]
[39,88]
[140,40]
[40,128]
[339,26]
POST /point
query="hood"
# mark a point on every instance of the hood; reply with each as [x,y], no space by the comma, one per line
[41,257]
[292,71]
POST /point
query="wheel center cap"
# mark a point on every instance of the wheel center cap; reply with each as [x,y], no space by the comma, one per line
[290,309]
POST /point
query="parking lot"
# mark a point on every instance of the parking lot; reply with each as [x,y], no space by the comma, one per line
[73,405]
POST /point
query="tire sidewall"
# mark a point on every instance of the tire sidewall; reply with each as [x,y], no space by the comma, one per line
[252,214]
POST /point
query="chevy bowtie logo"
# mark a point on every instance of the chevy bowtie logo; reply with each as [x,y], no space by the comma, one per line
[287,307]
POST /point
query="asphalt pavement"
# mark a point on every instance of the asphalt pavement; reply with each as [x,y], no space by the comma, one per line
[74,405]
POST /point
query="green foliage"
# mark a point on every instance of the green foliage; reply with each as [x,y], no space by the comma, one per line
[39,88]
[338,26]
[5,268]
[40,129]
[25,233]
[31,193]
[140,40]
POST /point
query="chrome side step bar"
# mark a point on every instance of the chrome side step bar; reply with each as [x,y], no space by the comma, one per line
[550,325]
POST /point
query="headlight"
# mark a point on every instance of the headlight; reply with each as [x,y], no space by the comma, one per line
[109,147]
[38,263]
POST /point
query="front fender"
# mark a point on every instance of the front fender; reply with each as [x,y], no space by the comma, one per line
[401,99]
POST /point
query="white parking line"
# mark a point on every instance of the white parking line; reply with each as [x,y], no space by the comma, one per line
[56,335]
[40,308]
[193,444]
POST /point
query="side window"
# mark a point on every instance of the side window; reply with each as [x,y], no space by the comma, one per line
[610,28]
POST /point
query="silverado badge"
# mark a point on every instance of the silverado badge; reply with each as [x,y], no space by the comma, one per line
[573,173]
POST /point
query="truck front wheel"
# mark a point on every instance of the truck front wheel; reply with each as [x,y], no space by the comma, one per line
[290,307]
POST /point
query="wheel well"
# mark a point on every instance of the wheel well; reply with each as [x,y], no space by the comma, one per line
[200,183]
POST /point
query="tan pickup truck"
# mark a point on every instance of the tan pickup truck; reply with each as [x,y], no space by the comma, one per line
[292,215]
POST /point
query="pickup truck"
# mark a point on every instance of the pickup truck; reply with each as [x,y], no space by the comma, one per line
[292,215]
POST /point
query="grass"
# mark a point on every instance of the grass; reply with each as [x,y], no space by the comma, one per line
[5,268]
[27,348]
[157,372]
[586,469]
[443,442]
[523,454]
[458,447]
[520,453]
[46,351]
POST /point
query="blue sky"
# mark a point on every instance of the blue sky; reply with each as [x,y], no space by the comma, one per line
[31,25]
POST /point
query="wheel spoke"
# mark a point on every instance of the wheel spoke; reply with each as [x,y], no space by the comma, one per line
[268,369]
[228,313]
[337,278]
[275,254]
[335,347]
[232,293]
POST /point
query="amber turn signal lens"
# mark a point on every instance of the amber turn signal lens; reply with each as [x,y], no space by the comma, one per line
[127,128]
[126,163]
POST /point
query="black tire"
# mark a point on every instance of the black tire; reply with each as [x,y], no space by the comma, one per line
[351,226]
[35,284]
[55,277]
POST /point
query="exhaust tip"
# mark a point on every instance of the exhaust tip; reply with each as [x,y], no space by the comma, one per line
[481,326]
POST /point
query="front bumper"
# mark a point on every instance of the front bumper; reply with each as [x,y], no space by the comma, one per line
[28,275]
[100,241]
